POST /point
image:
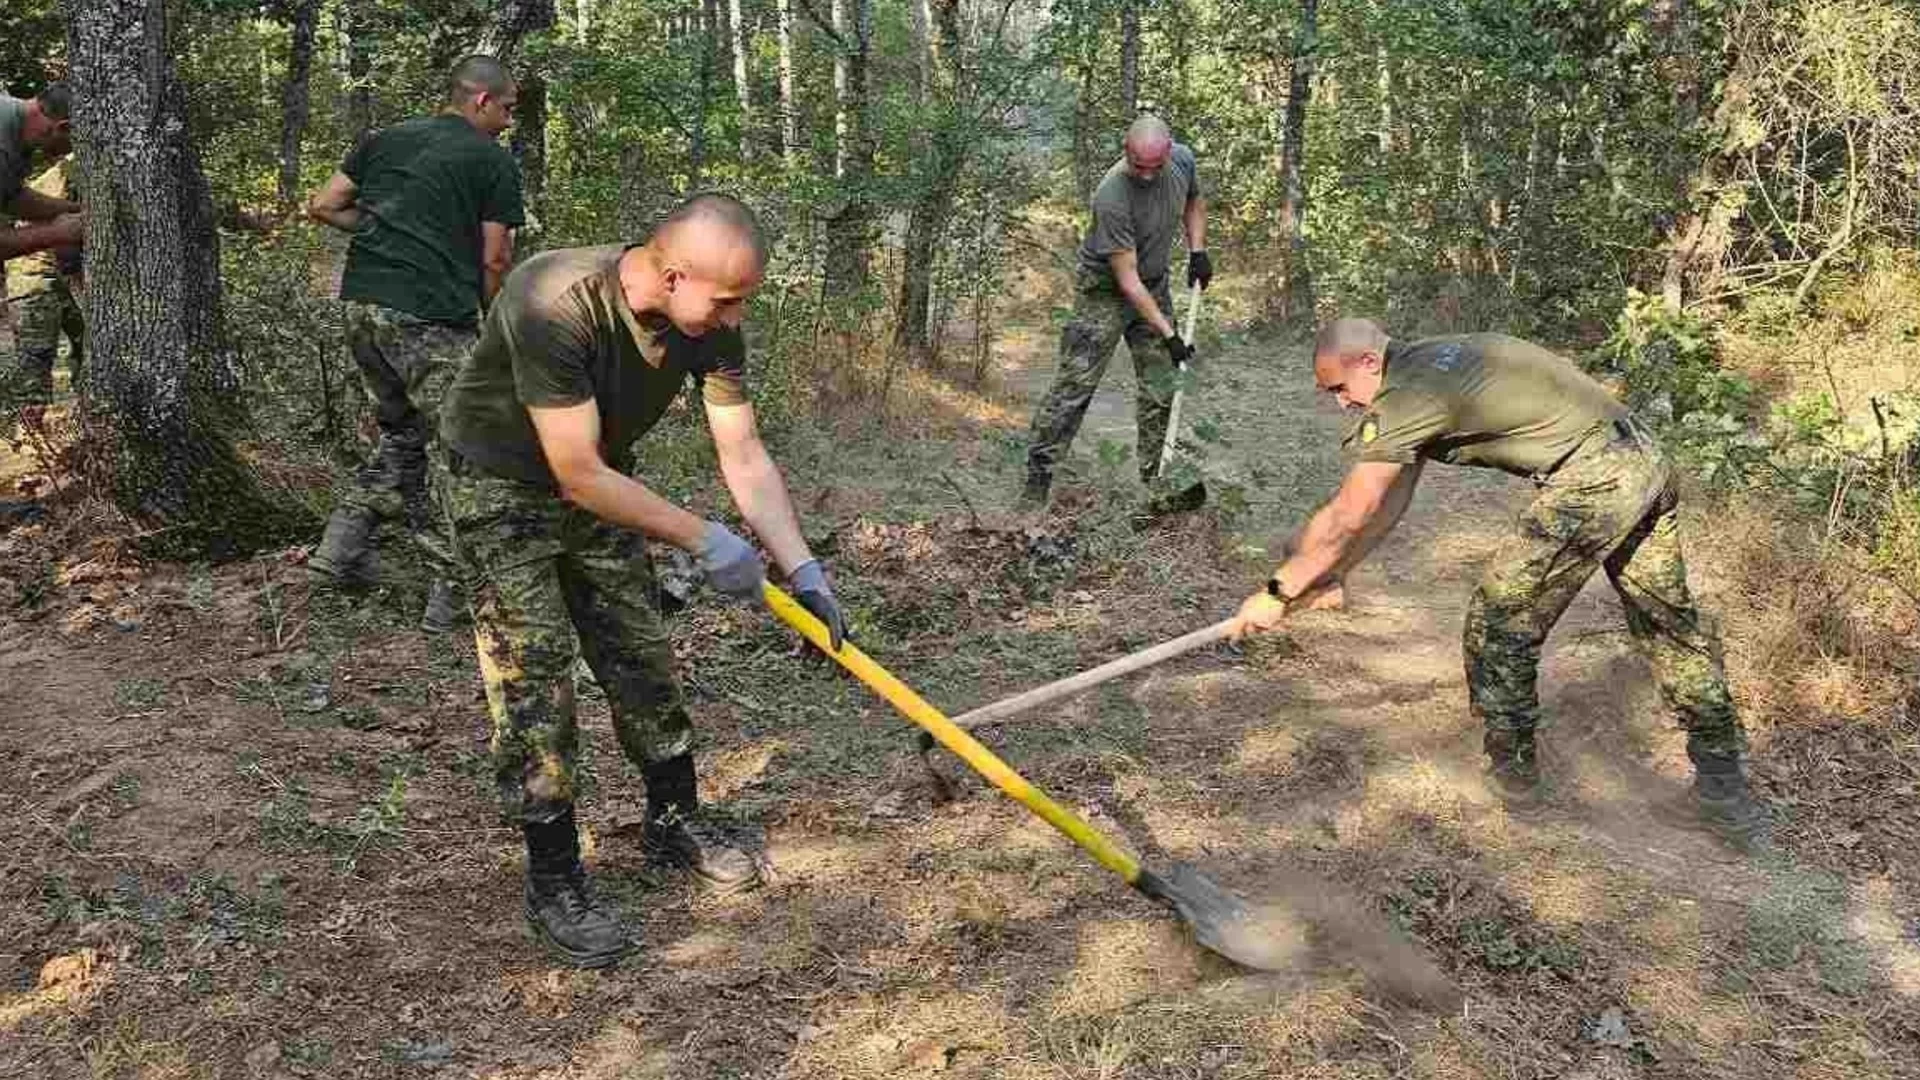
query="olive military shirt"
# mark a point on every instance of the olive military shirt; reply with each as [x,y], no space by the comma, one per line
[1142,218]
[15,155]
[424,187]
[560,333]
[1485,400]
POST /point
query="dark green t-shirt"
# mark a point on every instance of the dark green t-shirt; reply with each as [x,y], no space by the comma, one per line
[1141,218]
[1481,399]
[425,186]
[560,333]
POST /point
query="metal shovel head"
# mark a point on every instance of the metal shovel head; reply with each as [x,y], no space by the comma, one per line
[1220,920]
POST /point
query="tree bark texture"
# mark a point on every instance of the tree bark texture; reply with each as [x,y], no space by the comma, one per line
[943,155]
[709,46]
[529,138]
[789,116]
[742,85]
[514,20]
[162,380]
[356,29]
[1129,59]
[1293,297]
[850,225]
[296,100]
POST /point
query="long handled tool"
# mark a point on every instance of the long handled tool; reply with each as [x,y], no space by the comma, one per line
[1220,920]
[1173,415]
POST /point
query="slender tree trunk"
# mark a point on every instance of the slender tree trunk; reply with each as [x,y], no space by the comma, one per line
[842,106]
[850,227]
[789,114]
[162,381]
[742,88]
[1086,167]
[709,29]
[513,20]
[1129,59]
[1293,299]
[355,28]
[295,99]
[529,138]
[582,20]
[942,157]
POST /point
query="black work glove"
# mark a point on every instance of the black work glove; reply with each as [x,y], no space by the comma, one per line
[815,593]
[1180,351]
[1199,269]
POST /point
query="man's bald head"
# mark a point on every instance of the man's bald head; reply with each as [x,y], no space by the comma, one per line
[1148,146]
[711,227]
[475,75]
[1350,360]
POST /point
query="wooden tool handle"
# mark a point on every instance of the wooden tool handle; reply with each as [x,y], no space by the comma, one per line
[1126,665]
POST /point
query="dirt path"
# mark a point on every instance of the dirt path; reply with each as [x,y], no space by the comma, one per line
[253,834]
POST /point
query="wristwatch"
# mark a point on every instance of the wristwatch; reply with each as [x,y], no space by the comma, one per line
[1275,590]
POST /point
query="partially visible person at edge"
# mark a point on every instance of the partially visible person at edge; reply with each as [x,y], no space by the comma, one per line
[1607,500]
[581,353]
[1121,291]
[36,128]
[44,292]
[431,204]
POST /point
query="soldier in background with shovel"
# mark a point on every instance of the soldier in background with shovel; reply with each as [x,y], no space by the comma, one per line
[1122,291]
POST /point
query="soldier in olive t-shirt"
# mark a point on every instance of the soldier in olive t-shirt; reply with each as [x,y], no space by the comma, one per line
[581,353]
[1121,291]
[1607,500]
[431,205]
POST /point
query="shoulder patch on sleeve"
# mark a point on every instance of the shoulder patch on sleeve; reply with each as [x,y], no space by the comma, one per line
[1369,430]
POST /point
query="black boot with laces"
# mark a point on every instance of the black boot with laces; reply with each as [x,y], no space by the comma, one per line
[561,908]
[680,834]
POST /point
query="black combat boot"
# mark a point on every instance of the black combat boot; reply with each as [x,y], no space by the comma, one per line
[1034,495]
[344,553]
[442,609]
[1512,767]
[680,834]
[1727,805]
[561,909]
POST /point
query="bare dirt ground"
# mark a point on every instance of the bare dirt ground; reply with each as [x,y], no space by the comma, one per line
[249,832]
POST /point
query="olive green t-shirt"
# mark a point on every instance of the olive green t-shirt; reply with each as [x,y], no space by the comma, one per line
[560,333]
[1142,218]
[16,157]
[425,186]
[1486,400]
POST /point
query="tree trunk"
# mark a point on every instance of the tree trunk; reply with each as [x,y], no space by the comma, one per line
[582,20]
[1129,59]
[709,28]
[512,21]
[295,100]
[941,157]
[850,226]
[842,106]
[162,381]
[358,43]
[1293,299]
[789,116]
[529,138]
[742,88]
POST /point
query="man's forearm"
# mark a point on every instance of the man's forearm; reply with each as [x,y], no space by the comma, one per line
[761,494]
[31,205]
[27,239]
[1143,302]
[1323,548]
[345,218]
[624,501]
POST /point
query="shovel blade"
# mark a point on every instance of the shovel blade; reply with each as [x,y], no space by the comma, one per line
[1222,921]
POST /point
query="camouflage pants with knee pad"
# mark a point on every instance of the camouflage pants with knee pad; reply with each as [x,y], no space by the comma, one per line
[551,582]
[1613,507]
[44,311]
[1101,319]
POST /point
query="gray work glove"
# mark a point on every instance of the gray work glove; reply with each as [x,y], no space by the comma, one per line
[815,593]
[730,563]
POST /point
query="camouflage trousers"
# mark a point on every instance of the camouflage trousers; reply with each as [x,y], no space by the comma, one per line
[1613,507]
[406,365]
[1101,318]
[549,582]
[43,311]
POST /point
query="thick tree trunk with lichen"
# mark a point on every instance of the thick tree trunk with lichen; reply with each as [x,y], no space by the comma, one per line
[162,380]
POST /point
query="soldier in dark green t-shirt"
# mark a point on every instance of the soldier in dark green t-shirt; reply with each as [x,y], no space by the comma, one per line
[431,205]
[1607,501]
[581,353]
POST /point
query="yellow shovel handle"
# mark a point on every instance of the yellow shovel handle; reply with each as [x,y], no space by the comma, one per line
[964,746]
